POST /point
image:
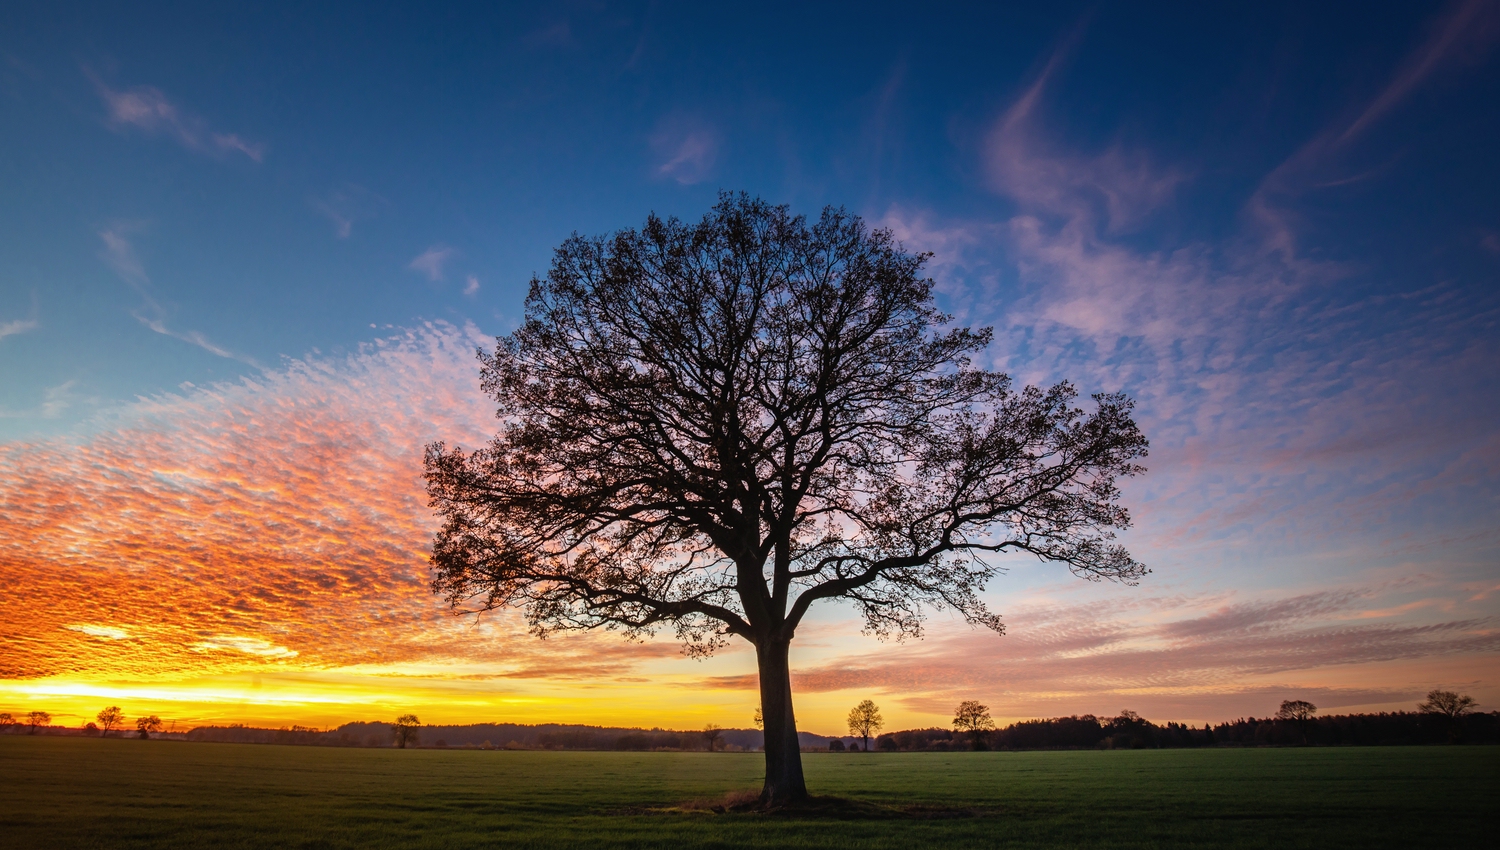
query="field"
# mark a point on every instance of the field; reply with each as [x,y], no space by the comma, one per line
[75,792]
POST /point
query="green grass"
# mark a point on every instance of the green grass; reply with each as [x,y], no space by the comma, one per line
[75,792]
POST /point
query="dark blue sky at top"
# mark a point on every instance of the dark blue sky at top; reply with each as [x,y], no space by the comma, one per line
[385,131]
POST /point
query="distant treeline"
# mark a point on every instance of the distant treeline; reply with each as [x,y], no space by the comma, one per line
[547,736]
[1126,731]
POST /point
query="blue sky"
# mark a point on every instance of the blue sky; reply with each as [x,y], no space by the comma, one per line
[1276,226]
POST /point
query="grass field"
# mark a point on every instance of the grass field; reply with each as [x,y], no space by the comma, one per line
[75,792]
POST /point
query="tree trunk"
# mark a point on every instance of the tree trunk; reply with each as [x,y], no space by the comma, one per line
[784,783]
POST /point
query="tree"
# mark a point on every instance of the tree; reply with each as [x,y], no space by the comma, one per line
[864,721]
[1447,703]
[974,718]
[711,734]
[91,729]
[1299,712]
[145,726]
[760,721]
[1450,706]
[36,720]
[109,718]
[406,730]
[7,721]
[712,427]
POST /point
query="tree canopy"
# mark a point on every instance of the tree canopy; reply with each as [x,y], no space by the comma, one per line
[711,427]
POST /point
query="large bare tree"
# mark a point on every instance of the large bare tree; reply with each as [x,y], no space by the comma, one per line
[713,426]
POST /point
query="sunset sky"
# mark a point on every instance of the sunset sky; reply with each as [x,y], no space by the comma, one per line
[247,255]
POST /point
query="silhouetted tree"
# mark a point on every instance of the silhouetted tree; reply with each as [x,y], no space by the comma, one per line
[36,720]
[145,726]
[7,721]
[864,721]
[91,728]
[714,426]
[836,746]
[974,718]
[1299,712]
[1451,707]
[711,733]
[109,718]
[406,729]
[1447,703]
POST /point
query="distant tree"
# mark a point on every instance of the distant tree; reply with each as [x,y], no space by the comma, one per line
[406,730]
[974,718]
[7,721]
[91,729]
[109,718]
[1450,706]
[145,726]
[1447,703]
[760,719]
[836,746]
[36,720]
[711,733]
[864,721]
[1299,712]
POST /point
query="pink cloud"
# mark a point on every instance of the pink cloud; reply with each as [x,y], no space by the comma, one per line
[686,149]
[148,110]
[431,262]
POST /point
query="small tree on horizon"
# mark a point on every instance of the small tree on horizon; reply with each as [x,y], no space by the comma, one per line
[109,718]
[973,717]
[36,720]
[146,726]
[7,722]
[406,730]
[864,721]
[1451,706]
[1299,712]
[713,426]
[711,733]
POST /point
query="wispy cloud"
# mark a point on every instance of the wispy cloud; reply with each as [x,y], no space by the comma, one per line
[55,401]
[686,149]
[431,262]
[558,34]
[471,286]
[349,204]
[1462,34]
[149,110]
[18,326]
[120,255]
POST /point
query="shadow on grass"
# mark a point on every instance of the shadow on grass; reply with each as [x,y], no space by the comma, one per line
[813,808]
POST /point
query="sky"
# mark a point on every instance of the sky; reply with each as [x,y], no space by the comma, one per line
[247,254]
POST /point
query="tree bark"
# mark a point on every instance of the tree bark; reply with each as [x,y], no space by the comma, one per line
[784,782]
